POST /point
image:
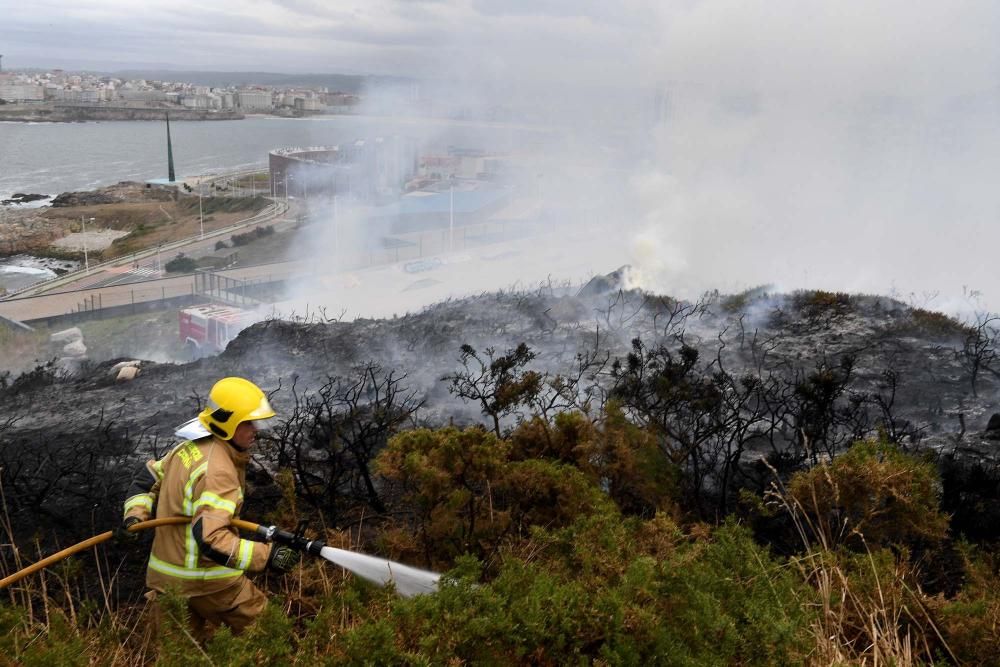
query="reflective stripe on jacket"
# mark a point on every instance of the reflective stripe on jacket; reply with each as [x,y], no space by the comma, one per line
[203,479]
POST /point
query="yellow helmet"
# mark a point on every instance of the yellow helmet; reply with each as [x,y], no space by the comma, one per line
[231,402]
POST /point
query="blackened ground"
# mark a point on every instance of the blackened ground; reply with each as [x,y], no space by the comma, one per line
[69,444]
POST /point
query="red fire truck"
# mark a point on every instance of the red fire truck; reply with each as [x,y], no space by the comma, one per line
[209,327]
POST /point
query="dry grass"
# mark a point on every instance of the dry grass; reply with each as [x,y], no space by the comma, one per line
[148,223]
[869,614]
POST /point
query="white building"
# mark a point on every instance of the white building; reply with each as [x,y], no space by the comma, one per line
[21,92]
[254,100]
[307,103]
[196,101]
[128,95]
[83,97]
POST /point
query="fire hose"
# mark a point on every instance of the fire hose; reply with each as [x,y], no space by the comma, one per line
[408,580]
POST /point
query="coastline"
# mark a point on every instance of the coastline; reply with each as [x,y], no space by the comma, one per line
[54,114]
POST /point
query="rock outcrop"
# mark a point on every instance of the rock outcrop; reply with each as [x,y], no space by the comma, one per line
[125,191]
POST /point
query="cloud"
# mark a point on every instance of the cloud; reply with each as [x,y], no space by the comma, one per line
[794,44]
[886,46]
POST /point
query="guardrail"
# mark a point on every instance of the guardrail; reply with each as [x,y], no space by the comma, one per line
[274,210]
[232,178]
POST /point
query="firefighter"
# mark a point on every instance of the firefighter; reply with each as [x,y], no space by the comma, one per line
[204,478]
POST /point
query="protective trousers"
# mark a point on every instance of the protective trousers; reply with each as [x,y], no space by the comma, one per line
[236,606]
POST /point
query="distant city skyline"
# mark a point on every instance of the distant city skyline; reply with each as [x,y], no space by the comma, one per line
[934,47]
[388,37]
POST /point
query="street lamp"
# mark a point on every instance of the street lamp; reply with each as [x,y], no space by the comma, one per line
[201,213]
[158,269]
[336,235]
[86,259]
[451,215]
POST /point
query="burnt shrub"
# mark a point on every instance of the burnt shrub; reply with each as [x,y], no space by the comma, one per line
[971,494]
[331,437]
[42,375]
[500,383]
[71,481]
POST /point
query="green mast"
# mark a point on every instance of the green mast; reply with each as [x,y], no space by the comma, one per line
[170,152]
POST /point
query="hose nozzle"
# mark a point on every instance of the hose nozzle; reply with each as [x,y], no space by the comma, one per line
[296,540]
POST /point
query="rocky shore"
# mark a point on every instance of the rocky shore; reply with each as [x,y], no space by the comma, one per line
[22,198]
[32,230]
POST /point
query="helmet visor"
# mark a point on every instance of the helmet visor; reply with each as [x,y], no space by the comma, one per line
[262,411]
[261,424]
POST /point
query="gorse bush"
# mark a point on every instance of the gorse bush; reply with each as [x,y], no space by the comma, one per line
[971,621]
[719,600]
[817,303]
[466,495]
[61,644]
[620,457]
[872,496]
[935,324]
[564,543]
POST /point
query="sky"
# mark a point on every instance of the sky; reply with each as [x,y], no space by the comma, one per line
[860,43]
[843,144]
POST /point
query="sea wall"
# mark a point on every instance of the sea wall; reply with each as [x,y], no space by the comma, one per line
[60,114]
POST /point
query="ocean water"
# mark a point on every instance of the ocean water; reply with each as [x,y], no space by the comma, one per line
[51,158]
[23,270]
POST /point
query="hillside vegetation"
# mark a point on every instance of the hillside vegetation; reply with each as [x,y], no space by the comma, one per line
[612,479]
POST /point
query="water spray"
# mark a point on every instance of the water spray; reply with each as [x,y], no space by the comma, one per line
[408,580]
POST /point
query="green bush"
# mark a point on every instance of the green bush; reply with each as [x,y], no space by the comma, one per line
[817,303]
[971,621]
[181,264]
[872,496]
[467,496]
[247,237]
[737,303]
[617,455]
[546,568]
[266,642]
[722,601]
[936,325]
[33,644]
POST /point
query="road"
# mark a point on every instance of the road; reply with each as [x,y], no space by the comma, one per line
[108,295]
[140,277]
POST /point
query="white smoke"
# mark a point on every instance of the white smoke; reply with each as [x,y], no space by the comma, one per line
[718,144]
[843,146]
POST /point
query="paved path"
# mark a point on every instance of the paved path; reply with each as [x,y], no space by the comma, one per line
[104,294]
[140,277]
[279,214]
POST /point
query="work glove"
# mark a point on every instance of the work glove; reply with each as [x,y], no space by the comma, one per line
[122,534]
[282,558]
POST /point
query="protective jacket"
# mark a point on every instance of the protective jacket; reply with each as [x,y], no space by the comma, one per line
[203,479]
